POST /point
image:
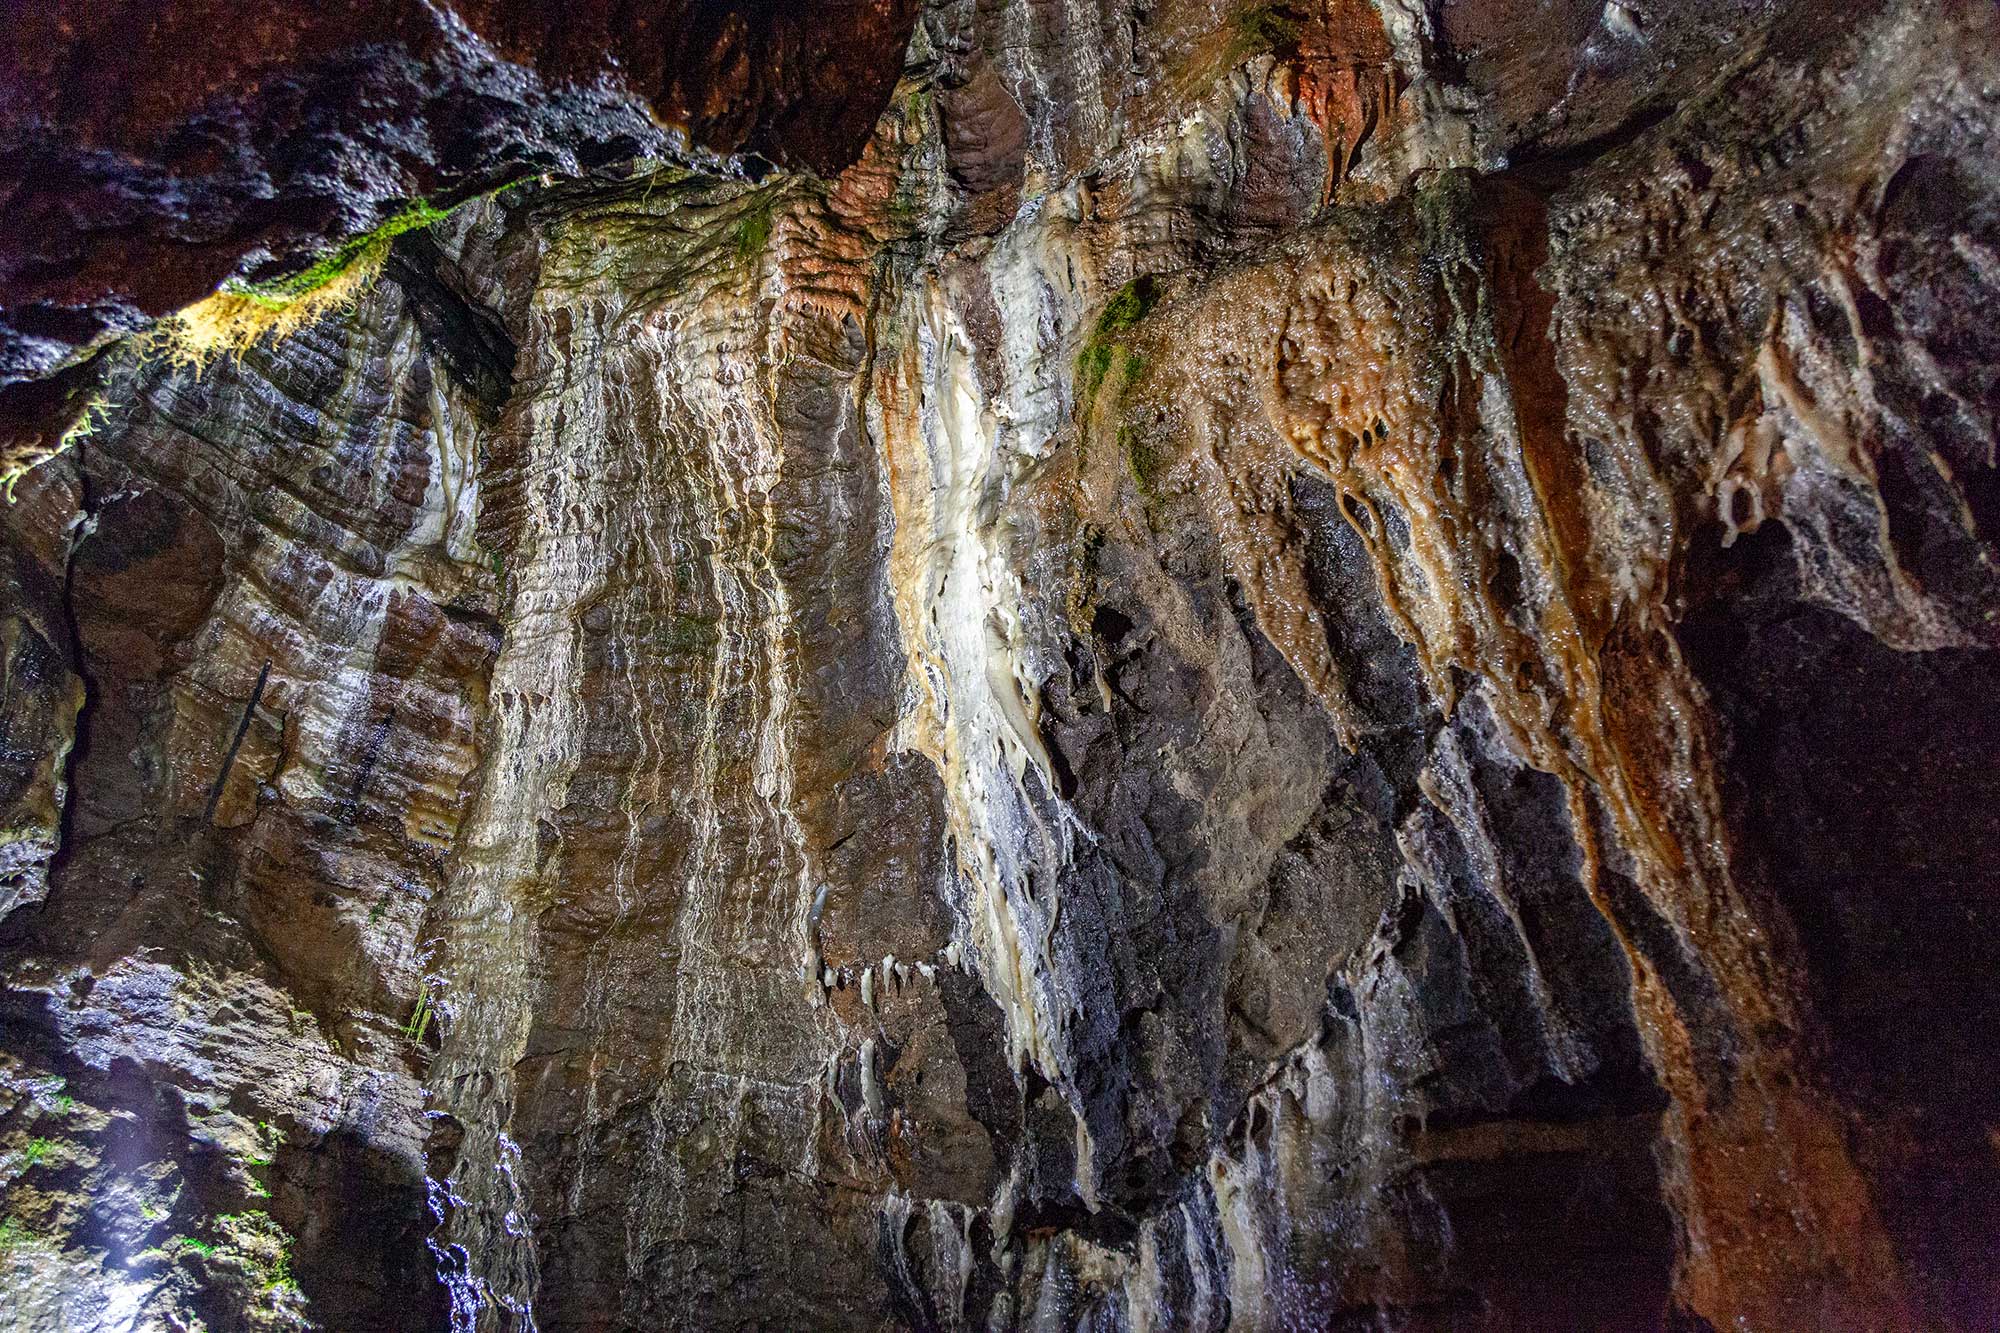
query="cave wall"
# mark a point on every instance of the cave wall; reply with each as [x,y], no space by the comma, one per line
[1261,668]
[150,150]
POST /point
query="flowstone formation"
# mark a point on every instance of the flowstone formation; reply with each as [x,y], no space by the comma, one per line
[1303,666]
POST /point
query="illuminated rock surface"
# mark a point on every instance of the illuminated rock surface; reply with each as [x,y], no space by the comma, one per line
[1274,667]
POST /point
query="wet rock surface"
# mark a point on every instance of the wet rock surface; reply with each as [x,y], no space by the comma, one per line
[1253,667]
[148,151]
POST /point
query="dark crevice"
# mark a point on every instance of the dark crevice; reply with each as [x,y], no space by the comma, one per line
[236,742]
[467,337]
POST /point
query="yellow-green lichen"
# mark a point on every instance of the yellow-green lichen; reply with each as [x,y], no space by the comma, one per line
[96,409]
[241,314]
[420,1018]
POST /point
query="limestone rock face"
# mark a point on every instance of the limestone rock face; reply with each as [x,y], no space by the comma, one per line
[151,148]
[1254,667]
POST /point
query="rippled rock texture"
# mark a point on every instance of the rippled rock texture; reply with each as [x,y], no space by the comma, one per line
[1280,667]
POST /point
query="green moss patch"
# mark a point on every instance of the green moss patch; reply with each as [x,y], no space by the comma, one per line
[369,247]
[1142,459]
[1265,28]
[240,314]
[1101,351]
[753,230]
